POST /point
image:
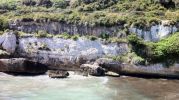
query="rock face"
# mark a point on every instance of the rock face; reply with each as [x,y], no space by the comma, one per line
[94,70]
[58,74]
[152,71]
[153,33]
[156,32]
[67,53]
[21,65]
[61,27]
[8,42]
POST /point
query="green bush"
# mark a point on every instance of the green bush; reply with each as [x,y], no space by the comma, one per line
[3,23]
[4,53]
[93,38]
[63,35]
[104,36]
[11,5]
[117,40]
[60,3]
[43,34]
[161,51]
[75,37]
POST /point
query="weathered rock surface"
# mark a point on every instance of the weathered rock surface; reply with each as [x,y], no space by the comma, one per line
[94,70]
[60,27]
[153,33]
[156,32]
[67,53]
[58,74]
[8,42]
[21,65]
[153,71]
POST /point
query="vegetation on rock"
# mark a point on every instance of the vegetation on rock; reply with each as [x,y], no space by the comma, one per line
[137,13]
[93,12]
[165,50]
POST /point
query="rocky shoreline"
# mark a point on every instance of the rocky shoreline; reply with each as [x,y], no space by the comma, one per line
[30,55]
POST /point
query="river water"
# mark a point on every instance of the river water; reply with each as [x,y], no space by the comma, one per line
[86,88]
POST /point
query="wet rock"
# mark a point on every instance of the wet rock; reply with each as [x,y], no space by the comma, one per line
[21,65]
[57,74]
[94,70]
[8,42]
[109,64]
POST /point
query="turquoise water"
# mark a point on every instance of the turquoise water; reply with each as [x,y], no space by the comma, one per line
[76,88]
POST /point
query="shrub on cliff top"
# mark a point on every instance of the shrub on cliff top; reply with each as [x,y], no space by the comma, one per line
[43,34]
[64,35]
[75,37]
[8,4]
[93,38]
[3,53]
[60,3]
[3,23]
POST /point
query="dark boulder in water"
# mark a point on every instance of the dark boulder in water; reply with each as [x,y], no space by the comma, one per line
[109,64]
[93,70]
[58,74]
[21,65]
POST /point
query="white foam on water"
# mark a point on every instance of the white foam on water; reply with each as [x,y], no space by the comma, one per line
[104,80]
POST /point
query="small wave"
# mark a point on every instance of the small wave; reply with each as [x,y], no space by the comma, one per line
[104,80]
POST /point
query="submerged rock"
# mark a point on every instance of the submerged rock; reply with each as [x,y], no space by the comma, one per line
[21,65]
[58,74]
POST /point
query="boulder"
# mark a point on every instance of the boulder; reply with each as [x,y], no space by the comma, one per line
[9,42]
[58,74]
[109,64]
[21,65]
[94,70]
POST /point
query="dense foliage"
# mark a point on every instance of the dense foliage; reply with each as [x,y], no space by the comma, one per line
[164,50]
[139,13]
